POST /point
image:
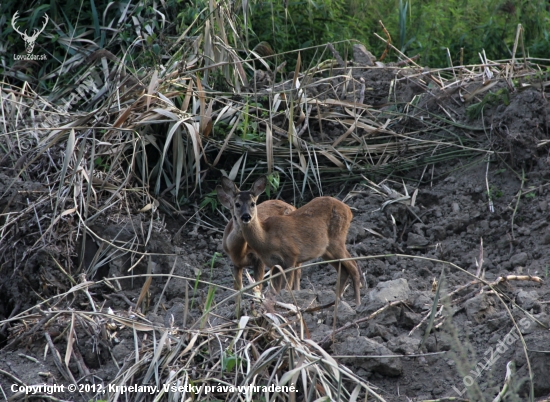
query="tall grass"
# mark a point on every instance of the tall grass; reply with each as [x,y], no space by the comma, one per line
[427,28]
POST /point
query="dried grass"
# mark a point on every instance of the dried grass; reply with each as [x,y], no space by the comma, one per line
[146,139]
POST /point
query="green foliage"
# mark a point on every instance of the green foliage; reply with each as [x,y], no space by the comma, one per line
[274,181]
[189,11]
[402,24]
[292,25]
[229,361]
[208,305]
[139,32]
[502,96]
[210,199]
[215,257]
[101,164]
[495,192]
[429,27]
[249,130]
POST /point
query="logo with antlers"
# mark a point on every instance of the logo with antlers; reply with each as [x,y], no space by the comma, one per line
[29,40]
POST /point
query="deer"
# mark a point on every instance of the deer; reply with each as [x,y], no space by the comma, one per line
[240,253]
[318,229]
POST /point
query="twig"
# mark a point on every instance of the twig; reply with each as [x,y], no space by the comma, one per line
[388,42]
[65,372]
[407,58]
[82,368]
[517,202]
[11,376]
[489,195]
[402,63]
[122,296]
[325,341]
[501,279]
[479,263]
[306,121]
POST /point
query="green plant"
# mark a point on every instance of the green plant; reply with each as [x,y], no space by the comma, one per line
[402,24]
[502,96]
[215,257]
[229,361]
[210,199]
[101,164]
[274,181]
[249,130]
[304,24]
[531,195]
[466,28]
[208,304]
[495,192]
[211,290]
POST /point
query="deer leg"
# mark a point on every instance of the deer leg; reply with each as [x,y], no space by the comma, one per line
[350,268]
[238,277]
[277,283]
[289,279]
[341,270]
[343,276]
[292,278]
[281,264]
[297,277]
[356,275]
[357,280]
[259,271]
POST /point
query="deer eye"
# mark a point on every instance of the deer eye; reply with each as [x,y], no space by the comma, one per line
[238,204]
[253,204]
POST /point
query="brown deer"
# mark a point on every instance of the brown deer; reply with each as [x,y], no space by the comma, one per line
[238,250]
[318,229]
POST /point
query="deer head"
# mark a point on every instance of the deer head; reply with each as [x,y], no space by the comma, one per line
[29,40]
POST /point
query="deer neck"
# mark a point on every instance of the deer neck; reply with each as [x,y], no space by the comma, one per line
[236,227]
[236,240]
[255,234]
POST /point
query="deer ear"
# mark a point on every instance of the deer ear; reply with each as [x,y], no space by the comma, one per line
[223,197]
[259,186]
[228,186]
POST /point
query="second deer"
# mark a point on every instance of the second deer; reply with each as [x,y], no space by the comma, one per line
[318,229]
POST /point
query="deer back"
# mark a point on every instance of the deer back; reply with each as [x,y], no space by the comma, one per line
[304,234]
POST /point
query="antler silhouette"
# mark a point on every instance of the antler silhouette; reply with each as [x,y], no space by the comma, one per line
[14,18]
[29,40]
